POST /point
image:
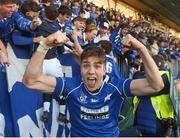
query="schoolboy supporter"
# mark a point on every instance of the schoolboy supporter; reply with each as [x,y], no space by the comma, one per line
[93,104]
[82,13]
[102,33]
[11,18]
[64,16]
[112,68]
[61,22]
[93,14]
[24,41]
[79,24]
[88,36]
[117,36]
[75,8]
[48,27]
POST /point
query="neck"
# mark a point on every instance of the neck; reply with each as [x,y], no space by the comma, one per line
[60,21]
[95,91]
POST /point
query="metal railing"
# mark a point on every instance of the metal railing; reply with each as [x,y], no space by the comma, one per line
[175,96]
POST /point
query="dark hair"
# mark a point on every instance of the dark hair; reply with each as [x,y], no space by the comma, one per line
[28,6]
[159,60]
[51,12]
[150,40]
[106,46]
[8,2]
[46,1]
[92,51]
[89,21]
[64,10]
[124,25]
[82,11]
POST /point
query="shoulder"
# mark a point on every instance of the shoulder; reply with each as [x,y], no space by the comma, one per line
[66,85]
[72,83]
[121,85]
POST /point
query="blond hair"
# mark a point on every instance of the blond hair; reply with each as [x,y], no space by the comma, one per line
[90,27]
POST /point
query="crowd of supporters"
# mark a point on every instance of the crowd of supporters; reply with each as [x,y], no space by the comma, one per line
[25,23]
[109,25]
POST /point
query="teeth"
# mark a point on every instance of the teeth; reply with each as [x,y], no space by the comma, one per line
[91,82]
[91,78]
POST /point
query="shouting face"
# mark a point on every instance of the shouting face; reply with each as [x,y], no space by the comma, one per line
[92,71]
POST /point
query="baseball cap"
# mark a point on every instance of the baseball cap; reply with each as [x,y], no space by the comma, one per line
[104,24]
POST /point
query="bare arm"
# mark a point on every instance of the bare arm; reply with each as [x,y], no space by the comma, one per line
[77,50]
[77,47]
[153,81]
[33,77]
[3,54]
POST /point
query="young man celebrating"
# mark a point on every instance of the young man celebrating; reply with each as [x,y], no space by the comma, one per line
[93,104]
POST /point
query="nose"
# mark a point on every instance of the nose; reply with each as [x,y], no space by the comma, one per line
[91,70]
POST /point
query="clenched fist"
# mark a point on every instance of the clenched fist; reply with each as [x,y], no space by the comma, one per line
[131,43]
[55,39]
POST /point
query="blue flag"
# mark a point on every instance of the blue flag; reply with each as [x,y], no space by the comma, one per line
[24,107]
[6,126]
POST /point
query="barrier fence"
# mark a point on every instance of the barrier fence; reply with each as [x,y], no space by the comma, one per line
[175,96]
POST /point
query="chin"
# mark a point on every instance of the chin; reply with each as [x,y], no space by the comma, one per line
[91,89]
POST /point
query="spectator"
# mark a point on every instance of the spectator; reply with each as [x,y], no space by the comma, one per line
[64,16]
[102,34]
[116,38]
[76,8]
[112,68]
[46,28]
[10,18]
[154,114]
[96,104]
[154,49]
[24,40]
[61,22]
[88,36]
[78,25]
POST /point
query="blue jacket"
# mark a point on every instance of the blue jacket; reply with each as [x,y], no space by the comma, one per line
[7,25]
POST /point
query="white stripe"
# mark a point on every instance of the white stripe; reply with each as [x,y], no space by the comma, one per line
[116,88]
[124,87]
[96,92]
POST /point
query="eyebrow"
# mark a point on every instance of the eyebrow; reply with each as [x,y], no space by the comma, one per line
[98,62]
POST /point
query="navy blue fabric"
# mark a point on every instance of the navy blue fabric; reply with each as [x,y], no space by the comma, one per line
[5,103]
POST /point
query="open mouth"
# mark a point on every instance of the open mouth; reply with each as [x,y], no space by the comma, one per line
[91,82]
